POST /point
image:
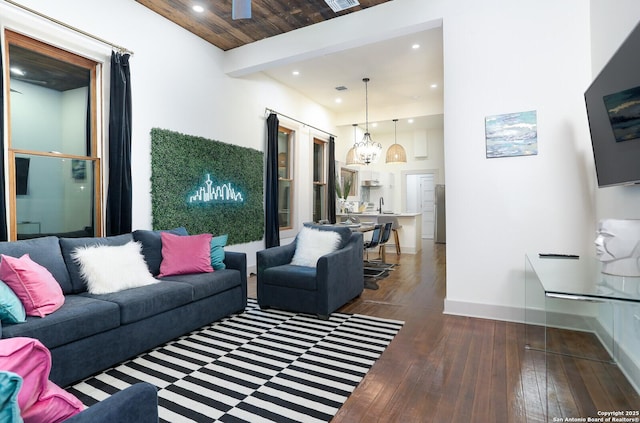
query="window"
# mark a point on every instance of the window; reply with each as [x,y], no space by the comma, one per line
[54,166]
[319,181]
[352,176]
[285,177]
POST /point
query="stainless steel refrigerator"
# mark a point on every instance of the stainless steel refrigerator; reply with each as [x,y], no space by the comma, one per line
[440,223]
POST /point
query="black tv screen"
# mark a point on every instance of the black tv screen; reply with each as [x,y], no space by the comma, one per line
[22,175]
[613,109]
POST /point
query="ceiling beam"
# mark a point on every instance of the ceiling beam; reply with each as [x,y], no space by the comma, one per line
[345,32]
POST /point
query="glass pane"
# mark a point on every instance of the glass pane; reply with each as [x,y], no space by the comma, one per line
[284,203]
[54,196]
[318,150]
[283,155]
[49,103]
[319,209]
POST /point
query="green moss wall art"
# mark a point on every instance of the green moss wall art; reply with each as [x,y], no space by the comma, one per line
[206,186]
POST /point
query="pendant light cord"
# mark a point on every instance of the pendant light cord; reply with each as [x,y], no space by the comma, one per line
[395,126]
[366,102]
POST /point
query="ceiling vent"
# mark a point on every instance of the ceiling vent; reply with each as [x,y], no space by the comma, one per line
[340,5]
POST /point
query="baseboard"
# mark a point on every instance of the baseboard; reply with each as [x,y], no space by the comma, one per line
[252,270]
[483,311]
[625,363]
[517,315]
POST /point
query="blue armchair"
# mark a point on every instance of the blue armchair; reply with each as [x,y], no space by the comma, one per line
[337,278]
[136,404]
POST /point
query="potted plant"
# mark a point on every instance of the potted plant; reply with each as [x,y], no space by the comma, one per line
[343,191]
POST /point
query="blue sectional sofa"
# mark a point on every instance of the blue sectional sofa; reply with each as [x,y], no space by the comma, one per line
[91,333]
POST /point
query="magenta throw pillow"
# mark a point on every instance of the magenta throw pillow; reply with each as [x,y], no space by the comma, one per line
[183,254]
[39,399]
[33,284]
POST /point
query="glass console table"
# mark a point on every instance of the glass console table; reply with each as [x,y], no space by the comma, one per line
[570,308]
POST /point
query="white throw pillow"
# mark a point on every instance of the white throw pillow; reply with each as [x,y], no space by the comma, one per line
[109,268]
[313,244]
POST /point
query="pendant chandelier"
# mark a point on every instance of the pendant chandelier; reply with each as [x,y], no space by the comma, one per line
[367,151]
[352,158]
[396,153]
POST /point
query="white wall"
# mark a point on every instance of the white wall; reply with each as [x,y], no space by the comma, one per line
[503,57]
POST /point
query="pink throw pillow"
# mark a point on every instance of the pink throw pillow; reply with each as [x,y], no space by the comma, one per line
[33,284]
[39,399]
[182,254]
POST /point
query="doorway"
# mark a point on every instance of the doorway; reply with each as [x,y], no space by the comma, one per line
[419,198]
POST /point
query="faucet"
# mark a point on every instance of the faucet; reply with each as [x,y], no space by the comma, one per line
[381,203]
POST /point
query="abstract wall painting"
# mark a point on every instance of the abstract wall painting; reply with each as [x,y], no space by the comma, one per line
[624,114]
[512,134]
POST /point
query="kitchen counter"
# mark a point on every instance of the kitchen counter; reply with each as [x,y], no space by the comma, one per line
[410,233]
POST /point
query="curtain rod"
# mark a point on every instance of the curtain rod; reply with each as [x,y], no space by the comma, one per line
[73,28]
[299,121]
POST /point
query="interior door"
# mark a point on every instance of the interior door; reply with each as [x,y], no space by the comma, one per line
[427,205]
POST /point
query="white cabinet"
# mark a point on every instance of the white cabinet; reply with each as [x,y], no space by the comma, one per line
[420,144]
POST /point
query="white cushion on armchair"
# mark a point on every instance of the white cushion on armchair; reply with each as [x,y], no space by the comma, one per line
[311,244]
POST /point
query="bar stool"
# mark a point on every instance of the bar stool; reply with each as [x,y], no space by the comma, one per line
[374,241]
[394,227]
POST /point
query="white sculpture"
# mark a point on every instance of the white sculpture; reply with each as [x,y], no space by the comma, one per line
[618,246]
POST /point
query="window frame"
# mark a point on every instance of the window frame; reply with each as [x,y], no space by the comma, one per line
[323,179]
[94,67]
[289,177]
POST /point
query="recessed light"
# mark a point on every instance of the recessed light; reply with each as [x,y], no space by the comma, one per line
[295,73]
[410,121]
[338,100]
[415,46]
[374,124]
[434,85]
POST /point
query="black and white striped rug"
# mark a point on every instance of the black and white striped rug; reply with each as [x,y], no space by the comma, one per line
[258,366]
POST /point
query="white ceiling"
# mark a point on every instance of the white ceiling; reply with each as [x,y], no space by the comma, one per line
[399,86]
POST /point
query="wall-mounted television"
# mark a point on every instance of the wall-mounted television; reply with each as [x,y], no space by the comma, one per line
[22,175]
[613,109]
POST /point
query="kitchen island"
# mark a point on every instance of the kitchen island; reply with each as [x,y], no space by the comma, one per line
[410,234]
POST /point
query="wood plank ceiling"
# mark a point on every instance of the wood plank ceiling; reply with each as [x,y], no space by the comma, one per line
[269,18]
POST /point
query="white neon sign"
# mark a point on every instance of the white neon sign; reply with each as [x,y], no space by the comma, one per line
[208,193]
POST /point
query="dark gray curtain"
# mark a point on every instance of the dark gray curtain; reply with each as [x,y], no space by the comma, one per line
[3,206]
[271,221]
[119,197]
[331,183]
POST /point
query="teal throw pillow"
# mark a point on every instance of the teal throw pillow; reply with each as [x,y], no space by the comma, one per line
[11,308]
[10,384]
[217,251]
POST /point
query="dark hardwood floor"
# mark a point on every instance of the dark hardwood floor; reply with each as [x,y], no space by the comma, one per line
[443,368]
